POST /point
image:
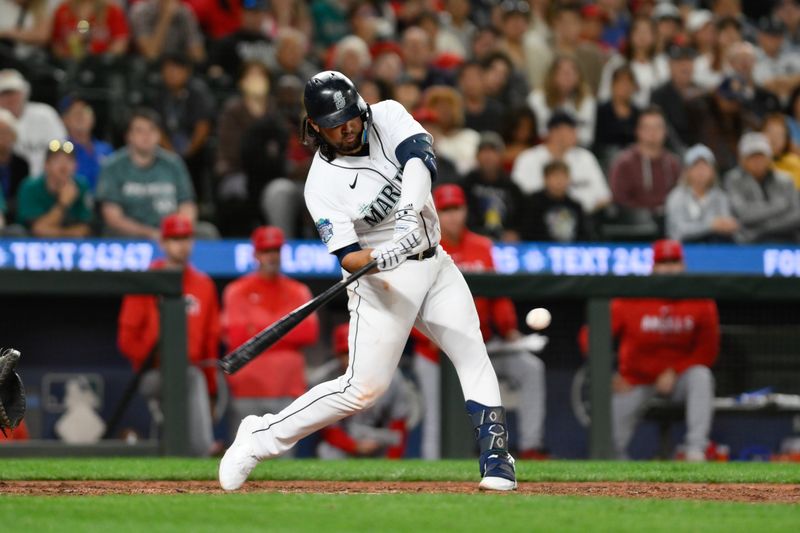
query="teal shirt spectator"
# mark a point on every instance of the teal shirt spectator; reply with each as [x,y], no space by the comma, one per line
[145,194]
[34,200]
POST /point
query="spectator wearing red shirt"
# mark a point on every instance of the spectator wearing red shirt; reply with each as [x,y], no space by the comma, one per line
[89,27]
[520,368]
[379,431]
[217,18]
[271,381]
[666,349]
[139,333]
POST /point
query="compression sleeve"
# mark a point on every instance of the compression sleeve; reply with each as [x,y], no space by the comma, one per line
[416,184]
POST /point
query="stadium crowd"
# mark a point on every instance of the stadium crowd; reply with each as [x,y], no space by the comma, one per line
[677,119]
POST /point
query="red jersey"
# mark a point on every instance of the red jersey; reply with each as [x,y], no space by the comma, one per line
[139,324]
[658,334]
[217,18]
[473,253]
[252,303]
[105,26]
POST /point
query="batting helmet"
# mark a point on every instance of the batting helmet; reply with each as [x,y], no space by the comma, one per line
[331,99]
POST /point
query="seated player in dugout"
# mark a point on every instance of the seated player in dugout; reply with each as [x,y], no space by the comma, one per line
[139,333]
[522,370]
[666,349]
[369,192]
[249,304]
[378,431]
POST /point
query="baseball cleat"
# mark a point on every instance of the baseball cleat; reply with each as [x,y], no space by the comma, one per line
[240,459]
[499,472]
[497,483]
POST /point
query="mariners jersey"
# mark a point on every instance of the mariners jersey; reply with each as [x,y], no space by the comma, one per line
[352,199]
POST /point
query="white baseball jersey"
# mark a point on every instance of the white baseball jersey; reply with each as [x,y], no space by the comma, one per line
[352,199]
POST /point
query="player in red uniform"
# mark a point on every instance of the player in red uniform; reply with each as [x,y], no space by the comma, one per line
[523,370]
[139,332]
[274,379]
[666,348]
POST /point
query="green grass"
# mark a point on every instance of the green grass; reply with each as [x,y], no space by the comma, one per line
[369,470]
[396,512]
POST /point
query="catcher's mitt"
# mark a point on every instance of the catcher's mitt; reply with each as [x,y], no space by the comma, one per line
[12,393]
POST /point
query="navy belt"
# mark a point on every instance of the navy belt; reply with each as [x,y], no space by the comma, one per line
[427,254]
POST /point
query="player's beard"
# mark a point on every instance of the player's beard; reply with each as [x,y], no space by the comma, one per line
[352,146]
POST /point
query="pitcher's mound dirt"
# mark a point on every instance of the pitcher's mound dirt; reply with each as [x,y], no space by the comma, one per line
[755,492]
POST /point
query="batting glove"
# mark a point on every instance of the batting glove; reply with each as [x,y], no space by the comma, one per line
[407,235]
[388,255]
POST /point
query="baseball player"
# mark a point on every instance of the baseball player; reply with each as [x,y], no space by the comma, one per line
[368,191]
[274,379]
[666,348]
[379,431]
[523,370]
[139,331]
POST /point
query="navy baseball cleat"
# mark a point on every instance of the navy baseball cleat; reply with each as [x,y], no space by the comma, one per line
[496,464]
[240,459]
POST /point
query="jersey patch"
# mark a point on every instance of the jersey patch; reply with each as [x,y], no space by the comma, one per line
[325,229]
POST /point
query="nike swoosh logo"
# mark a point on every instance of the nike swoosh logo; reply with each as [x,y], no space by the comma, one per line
[353,185]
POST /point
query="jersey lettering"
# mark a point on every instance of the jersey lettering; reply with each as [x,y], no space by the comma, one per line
[383,204]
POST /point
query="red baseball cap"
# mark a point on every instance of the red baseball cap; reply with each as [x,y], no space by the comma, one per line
[267,238]
[448,195]
[176,226]
[340,334]
[667,250]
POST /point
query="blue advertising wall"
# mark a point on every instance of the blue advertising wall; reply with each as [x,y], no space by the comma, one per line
[310,259]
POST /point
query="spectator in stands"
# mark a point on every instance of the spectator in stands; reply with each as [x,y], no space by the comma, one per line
[480,112]
[37,123]
[587,183]
[217,18]
[764,201]
[453,141]
[24,30]
[495,202]
[351,57]
[407,92]
[289,14]
[139,333]
[698,210]
[418,54]
[566,41]
[666,349]
[186,107]
[380,430]
[141,183]
[551,214]
[641,54]
[275,378]
[515,17]
[642,176]
[519,134]
[788,12]
[732,9]
[166,27]
[387,63]
[777,66]
[365,22]
[291,49]
[89,27]
[13,168]
[721,118]
[793,116]
[236,206]
[712,42]
[783,158]
[78,117]
[616,31]
[669,24]
[456,23]
[498,321]
[756,99]
[615,128]
[503,82]
[56,204]
[564,89]
[247,44]
[673,98]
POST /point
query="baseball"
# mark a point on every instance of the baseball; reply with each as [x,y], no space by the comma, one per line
[538,318]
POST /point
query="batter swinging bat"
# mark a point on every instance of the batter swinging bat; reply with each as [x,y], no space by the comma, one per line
[270,335]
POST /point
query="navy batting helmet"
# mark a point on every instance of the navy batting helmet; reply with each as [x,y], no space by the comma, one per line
[331,99]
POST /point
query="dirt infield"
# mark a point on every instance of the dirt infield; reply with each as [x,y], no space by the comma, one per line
[754,492]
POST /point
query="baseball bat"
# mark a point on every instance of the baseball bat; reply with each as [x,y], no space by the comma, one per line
[271,334]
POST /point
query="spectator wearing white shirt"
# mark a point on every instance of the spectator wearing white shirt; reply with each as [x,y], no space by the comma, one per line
[565,89]
[777,67]
[587,184]
[38,123]
[650,68]
[711,66]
